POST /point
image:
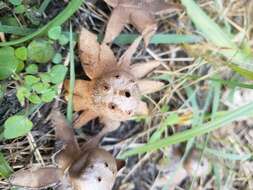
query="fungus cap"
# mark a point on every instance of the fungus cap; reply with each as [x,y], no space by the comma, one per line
[97,170]
[116,95]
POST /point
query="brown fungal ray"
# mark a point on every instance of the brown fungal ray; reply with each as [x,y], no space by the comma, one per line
[95,170]
[148,86]
[139,13]
[82,101]
[36,178]
[125,59]
[113,94]
[65,134]
[95,58]
[142,69]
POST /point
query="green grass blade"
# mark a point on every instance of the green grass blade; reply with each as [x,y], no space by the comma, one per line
[241,71]
[5,169]
[64,15]
[169,121]
[44,5]
[217,123]
[217,176]
[228,156]
[72,77]
[214,34]
[16,30]
[124,39]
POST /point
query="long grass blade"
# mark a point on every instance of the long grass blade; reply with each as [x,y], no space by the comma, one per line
[214,34]
[124,39]
[5,169]
[72,77]
[229,117]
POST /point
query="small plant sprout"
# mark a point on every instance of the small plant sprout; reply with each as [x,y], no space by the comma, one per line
[139,13]
[75,168]
[114,92]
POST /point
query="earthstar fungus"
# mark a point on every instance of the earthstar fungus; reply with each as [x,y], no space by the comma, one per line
[139,13]
[114,91]
[76,168]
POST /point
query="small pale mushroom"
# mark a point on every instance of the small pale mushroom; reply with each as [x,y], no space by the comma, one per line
[114,91]
[139,13]
[76,168]
[176,172]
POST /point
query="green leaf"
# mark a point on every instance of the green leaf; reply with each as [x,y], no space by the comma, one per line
[8,62]
[22,92]
[5,169]
[58,73]
[57,58]
[63,40]
[20,9]
[2,91]
[45,77]
[15,2]
[30,80]
[35,99]
[21,53]
[64,15]
[54,33]
[40,51]
[32,69]
[40,87]
[20,66]
[48,96]
[17,126]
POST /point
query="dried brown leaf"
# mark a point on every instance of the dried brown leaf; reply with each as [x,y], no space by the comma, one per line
[139,13]
[145,24]
[116,24]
